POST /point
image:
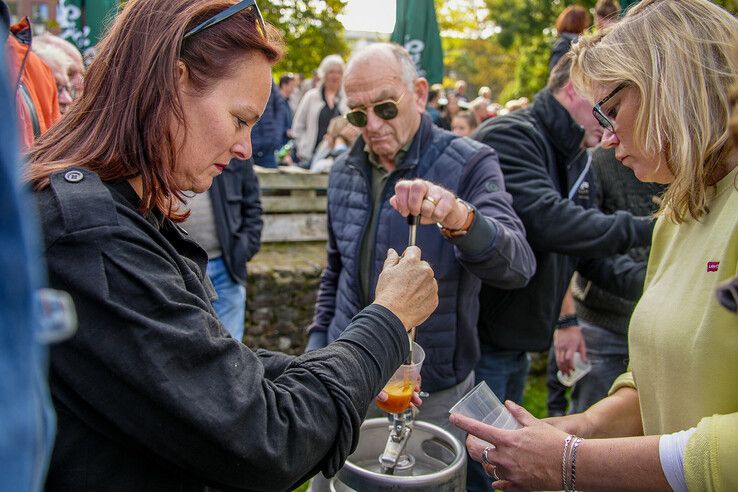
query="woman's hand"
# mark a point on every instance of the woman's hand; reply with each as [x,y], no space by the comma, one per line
[525,459]
[577,423]
[430,201]
[407,287]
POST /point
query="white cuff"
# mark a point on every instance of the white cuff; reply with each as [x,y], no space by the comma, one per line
[671,453]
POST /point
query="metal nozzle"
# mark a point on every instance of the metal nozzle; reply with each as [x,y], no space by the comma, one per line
[400,431]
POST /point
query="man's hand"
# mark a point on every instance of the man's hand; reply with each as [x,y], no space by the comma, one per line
[567,341]
[407,287]
[432,202]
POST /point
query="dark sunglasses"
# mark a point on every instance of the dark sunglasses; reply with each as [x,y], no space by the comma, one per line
[229,12]
[600,116]
[384,109]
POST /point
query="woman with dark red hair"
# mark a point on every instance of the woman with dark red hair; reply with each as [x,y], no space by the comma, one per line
[151,393]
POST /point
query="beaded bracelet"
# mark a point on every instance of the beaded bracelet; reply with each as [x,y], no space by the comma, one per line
[564,468]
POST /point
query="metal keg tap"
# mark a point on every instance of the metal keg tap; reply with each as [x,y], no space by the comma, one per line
[393,458]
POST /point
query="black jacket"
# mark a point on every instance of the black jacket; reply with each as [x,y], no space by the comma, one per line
[152,394]
[541,158]
[237,212]
[617,189]
[561,47]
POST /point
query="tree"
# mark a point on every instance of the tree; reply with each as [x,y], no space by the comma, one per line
[471,51]
[527,29]
[311,31]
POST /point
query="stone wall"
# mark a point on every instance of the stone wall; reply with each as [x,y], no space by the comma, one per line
[280,300]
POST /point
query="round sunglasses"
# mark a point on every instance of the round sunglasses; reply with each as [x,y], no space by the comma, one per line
[386,110]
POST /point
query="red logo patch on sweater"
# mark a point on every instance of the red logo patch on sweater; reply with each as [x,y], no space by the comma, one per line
[712,266]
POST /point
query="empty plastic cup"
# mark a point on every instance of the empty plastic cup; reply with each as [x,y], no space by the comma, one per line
[481,404]
[581,368]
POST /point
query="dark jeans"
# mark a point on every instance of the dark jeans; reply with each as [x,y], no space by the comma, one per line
[556,402]
[505,373]
[608,353]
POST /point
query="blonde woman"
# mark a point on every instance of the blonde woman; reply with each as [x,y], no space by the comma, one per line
[662,79]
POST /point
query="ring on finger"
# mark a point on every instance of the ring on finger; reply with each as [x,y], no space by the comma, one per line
[491,471]
[485,458]
[434,201]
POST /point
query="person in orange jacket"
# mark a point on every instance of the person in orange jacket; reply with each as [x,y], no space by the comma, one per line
[37,101]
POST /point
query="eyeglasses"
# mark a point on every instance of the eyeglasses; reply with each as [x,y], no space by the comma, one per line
[386,110]
[600,116]
[229,12]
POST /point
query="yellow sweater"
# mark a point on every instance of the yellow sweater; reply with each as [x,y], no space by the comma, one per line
[684,345]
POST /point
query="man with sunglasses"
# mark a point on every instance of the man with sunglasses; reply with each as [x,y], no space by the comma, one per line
[404,165]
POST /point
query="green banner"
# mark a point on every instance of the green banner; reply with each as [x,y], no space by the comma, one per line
[84,22]
[626,4]
[416,28]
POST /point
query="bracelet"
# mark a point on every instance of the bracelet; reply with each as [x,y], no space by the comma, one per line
[564,468]
[574,447]
[453,233]
[567,320]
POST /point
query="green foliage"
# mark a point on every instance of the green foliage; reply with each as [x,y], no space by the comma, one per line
[311,31]
[514,61]
[479,62]
[531,69]
[522,21]
[534,397]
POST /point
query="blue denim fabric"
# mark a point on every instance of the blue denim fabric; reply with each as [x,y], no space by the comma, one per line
[27,422]
[608,354]
[556,401]
[231,303]
[505,373]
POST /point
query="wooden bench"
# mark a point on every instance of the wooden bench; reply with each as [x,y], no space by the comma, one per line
[294,203]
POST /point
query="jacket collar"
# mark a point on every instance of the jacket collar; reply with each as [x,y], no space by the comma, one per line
[565,134]
[358,157]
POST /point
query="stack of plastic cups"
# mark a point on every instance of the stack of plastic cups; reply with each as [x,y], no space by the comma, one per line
[483,405]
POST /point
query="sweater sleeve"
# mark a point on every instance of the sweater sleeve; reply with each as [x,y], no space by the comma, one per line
[204,403]
[625,380]
[495,248]
[712,454]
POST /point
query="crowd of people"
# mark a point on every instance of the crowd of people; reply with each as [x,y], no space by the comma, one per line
[600,219]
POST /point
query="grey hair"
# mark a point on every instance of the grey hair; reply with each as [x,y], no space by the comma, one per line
[329,62]
[408,70]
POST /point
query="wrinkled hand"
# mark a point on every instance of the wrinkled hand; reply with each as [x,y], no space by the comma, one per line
[567,341]
[407,287]
[525,459]
[432,202]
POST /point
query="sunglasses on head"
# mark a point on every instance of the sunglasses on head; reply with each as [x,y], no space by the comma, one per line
[386,110]
[229,12]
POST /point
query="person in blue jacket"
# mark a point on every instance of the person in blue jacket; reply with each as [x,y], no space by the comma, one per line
[26,417]
[226,222]
[469,233]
